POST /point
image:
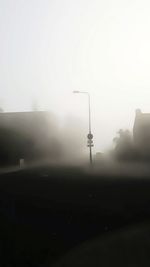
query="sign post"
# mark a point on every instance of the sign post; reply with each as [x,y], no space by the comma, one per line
[90,135]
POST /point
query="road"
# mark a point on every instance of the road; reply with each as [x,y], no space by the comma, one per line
[47,211]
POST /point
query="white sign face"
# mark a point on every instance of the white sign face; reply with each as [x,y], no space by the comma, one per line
[90,141]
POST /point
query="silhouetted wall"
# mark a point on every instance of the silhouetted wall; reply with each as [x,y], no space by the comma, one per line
[141,133]
[27,135]
[37,135]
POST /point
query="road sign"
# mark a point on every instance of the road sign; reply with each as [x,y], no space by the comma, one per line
[90,136]
[90,141]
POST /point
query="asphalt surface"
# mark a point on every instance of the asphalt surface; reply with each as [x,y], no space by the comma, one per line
[48,211]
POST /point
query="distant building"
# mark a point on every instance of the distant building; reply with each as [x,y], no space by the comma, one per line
[99,156]
[141,133]
[30,136]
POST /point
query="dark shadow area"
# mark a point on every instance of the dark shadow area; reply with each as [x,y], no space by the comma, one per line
[47,211]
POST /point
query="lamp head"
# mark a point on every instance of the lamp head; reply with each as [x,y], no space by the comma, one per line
[76,92]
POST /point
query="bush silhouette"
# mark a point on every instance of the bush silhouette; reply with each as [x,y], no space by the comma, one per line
[125,149]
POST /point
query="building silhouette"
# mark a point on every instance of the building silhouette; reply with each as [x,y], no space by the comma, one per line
[141,133]
[27,135]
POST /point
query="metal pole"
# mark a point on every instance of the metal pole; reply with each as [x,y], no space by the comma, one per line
[90,146]
[89,113]
[90,136]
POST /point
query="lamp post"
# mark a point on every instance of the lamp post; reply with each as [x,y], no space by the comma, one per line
[90,135]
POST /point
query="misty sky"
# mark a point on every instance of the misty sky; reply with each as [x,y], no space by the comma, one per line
[48,48]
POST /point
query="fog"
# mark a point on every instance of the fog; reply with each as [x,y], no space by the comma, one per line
[50,48]
[38,137]
[74,132]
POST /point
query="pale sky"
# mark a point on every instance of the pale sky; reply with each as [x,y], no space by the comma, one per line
[48,48]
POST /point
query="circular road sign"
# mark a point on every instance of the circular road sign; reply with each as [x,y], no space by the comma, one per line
[90,136]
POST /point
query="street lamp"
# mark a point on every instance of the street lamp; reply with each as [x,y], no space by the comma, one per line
[90,135]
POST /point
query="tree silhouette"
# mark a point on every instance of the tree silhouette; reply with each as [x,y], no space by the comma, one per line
[124,146]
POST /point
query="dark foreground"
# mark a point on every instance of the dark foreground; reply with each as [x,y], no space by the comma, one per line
[46,212]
